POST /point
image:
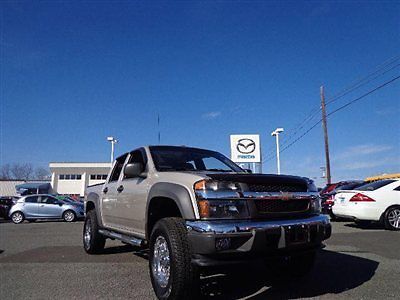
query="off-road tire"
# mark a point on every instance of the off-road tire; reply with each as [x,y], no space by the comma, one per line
[97,241]
[386,218]
[183,276]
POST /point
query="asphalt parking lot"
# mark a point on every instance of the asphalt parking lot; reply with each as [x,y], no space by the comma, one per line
[45,260]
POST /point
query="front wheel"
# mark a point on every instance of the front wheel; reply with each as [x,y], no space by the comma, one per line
[69,216]
[392,218]
[17,217]
[172,274]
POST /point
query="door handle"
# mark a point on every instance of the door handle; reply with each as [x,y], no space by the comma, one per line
[105,190]
[120,188]
[41,205]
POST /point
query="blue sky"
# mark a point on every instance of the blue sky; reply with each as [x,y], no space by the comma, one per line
[73,73]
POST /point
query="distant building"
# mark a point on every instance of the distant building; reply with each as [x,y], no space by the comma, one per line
[72,178]
[14,187]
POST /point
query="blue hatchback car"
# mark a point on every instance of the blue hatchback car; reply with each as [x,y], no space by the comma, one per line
[33,207]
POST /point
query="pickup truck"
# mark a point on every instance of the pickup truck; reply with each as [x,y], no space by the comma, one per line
[195,209]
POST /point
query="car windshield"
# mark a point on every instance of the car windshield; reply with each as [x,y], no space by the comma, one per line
[169,158]
[374,185]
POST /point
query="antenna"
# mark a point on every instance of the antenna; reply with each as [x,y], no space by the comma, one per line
[159,132]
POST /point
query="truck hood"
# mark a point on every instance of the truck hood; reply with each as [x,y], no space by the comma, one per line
[265,182]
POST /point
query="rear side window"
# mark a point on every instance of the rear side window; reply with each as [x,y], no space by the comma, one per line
[48,200]
[118,168]
[374,185]
[32,199]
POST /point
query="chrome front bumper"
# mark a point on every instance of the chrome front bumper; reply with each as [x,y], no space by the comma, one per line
[249,236]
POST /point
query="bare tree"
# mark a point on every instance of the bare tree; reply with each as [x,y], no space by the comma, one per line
[41,173]
[22,171]
[5,172]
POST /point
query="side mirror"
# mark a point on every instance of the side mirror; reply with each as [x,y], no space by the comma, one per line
[133,170]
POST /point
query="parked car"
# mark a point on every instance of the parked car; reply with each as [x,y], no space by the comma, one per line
[196,208]
[375,201]
[5,205]
[70,200]
[33,207]
[328,198]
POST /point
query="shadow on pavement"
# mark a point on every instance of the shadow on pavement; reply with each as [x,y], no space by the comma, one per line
[333,273]
[370,226]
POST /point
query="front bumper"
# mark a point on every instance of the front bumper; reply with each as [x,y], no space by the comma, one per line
[212,241]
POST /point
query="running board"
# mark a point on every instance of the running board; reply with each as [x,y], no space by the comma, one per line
[123,238]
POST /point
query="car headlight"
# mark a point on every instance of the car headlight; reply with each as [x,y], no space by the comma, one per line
[316,205]
[219,200]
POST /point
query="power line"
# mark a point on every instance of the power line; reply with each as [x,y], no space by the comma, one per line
[335,111]
[353,86]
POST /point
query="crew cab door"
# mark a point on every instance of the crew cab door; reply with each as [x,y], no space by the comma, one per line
[132,198]
[110,193]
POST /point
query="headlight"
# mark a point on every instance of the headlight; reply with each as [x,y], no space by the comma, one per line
[223,209]
[316,205]
[218,199]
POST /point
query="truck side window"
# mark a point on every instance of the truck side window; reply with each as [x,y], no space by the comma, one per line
[118,168]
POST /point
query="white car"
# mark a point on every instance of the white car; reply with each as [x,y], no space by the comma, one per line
[375,201]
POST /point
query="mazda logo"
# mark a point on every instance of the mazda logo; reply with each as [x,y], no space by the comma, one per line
[245,146]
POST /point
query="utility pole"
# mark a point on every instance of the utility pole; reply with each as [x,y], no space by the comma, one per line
[324,125]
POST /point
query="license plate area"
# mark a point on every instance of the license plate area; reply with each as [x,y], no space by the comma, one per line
[297,234]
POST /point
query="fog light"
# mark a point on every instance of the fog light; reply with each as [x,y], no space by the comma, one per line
[222,244]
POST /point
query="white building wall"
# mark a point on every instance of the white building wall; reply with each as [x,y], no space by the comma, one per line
[76,186]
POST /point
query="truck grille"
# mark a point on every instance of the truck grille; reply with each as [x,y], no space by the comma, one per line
[281,206]
[277,188]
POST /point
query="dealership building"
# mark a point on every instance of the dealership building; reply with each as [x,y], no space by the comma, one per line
[72,178]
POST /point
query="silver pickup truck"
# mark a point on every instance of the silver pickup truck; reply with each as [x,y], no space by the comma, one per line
[194,208]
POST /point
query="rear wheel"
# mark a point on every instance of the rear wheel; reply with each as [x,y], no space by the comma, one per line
[93,241]
[172,274]
[392,218]
[17,217]
[69,216]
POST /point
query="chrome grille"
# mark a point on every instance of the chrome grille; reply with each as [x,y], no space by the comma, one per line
[277,187]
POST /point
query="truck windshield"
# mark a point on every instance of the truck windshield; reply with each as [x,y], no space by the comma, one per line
[169,158]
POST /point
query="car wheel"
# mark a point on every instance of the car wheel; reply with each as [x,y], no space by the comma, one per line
[93,241]
[17,217]
[172,274]
[392,218]
[69,216]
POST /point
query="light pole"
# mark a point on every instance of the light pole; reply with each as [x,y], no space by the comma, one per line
[276,133]
[113,141]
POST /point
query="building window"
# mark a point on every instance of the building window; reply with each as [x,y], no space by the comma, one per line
[104,176]
[92,176]
[70,176]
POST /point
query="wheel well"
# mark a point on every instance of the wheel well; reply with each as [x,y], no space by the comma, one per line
[89,206]
[384,213]
[160,207]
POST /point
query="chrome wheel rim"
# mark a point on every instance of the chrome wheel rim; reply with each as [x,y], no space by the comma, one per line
[69,216]
[161,262]
[17,217]
[394,218]
[88,234]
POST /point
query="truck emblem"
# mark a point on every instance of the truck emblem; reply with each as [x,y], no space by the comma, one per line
[285,196]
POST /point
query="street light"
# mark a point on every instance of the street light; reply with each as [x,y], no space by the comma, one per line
[113,141]
[276,133]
